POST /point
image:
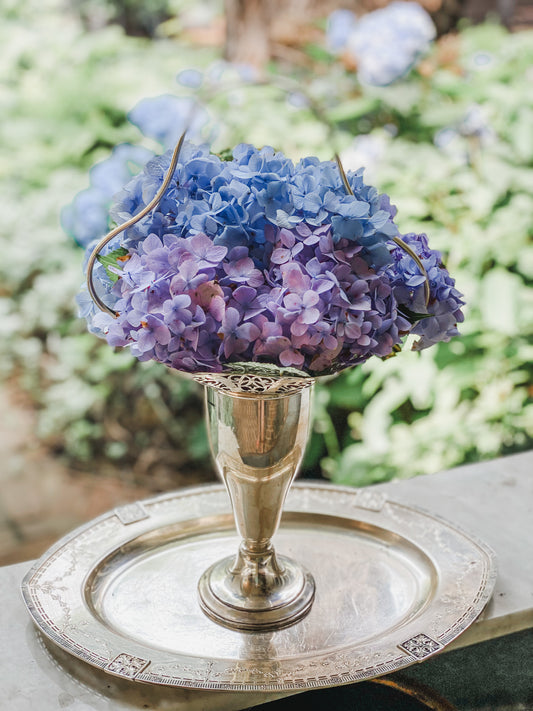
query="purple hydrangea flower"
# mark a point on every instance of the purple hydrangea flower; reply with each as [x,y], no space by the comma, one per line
[152,330]
[237,335]
[443,312]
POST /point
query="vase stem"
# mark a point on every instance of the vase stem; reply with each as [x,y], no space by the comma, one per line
[257,441]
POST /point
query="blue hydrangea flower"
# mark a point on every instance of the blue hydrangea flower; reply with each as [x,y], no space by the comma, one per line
[234,202]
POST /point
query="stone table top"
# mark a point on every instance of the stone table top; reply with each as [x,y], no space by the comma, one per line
[492,500]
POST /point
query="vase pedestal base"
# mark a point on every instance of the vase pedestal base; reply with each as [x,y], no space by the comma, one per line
[256,591]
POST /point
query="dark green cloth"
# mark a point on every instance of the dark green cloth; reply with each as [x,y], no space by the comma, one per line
[491,676]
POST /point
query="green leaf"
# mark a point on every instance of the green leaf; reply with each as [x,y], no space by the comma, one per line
[412,316]
[226,154]
[353,109]
[500,302]
[319,54]
[110,260]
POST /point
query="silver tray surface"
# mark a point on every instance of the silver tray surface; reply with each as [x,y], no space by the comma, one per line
[395,584]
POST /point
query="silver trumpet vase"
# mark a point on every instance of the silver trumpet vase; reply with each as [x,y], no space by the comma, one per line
[258,429]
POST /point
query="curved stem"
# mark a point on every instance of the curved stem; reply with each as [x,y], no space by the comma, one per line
[319,114]
[397,240]
[117,230]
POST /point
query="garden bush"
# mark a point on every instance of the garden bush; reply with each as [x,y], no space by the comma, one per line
[451,143]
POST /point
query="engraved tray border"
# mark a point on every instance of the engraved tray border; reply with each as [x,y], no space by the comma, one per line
[49,597]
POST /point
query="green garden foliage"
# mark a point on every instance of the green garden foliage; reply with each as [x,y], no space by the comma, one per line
[453,146]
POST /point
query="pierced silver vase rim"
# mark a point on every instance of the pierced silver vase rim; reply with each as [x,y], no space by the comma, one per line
[251,384]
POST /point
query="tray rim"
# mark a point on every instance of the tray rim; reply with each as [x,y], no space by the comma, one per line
[482,597]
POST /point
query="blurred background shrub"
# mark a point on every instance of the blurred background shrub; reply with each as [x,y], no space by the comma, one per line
[449,136]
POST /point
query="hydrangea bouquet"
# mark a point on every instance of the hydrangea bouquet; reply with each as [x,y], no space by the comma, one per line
[256,275]
[250,258]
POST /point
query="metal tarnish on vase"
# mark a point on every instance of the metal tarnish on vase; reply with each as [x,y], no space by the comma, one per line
[108,590]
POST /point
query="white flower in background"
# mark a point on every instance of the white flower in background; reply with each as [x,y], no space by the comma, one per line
[366,152]
[475,123]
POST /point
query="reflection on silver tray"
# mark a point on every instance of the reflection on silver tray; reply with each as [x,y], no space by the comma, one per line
[394,585]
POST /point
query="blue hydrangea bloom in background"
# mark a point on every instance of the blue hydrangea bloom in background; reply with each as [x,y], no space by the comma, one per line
[385,43]
[164,118]
[260,259]
[87,216]
[340,25]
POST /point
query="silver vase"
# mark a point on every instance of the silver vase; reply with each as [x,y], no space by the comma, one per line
[258,429]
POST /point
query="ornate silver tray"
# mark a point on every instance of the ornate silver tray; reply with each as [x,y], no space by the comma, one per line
[395,584]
